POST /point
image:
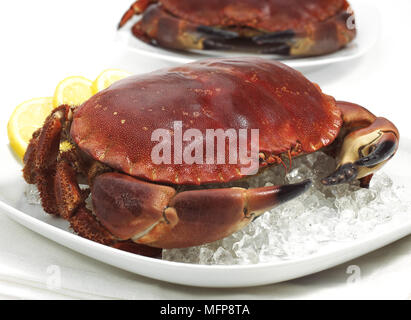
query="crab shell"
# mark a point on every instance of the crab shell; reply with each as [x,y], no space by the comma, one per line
[265,15]
[292,115]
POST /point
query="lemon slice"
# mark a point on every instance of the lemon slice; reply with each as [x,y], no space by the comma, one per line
[73,91]
[107,78]
[27,118]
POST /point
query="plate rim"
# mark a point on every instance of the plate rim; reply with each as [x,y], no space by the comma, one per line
[344,253]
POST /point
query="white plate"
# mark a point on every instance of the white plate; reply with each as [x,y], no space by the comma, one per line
[14,203]
[367,19]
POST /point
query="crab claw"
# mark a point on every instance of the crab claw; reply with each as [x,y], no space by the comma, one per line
[213,214]
[364,150]
[383,151]
[129,208]
[208,215]
[137,7]
[157,216]
[345,173]
[262,199]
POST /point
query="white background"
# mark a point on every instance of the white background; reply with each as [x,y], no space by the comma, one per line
[43,42]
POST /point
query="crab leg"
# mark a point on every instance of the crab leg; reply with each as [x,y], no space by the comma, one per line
[159,27]
[71,203]
[41,155]
[177,34]
[137,7]
[157,216]
[368,143]
[59,191]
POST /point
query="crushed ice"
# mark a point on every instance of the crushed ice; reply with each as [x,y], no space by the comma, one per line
[32,194]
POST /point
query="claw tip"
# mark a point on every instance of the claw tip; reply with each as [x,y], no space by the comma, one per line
[291,191]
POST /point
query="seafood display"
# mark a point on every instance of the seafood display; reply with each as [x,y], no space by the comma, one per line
[142,205]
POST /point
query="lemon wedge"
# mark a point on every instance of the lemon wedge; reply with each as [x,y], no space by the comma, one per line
[73,91]
[107,78]
[27,118]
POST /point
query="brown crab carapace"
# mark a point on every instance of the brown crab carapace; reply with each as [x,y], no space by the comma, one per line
[139,205]
[286,27]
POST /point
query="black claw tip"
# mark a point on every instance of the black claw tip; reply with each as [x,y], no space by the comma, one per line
[291,191]
[382,152]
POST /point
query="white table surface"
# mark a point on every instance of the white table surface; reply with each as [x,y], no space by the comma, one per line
[45,41]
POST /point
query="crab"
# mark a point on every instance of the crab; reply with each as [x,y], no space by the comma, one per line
[141,206]
[286,27]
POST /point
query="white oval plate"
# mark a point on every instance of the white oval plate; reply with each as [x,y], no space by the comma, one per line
[367,19]
[14,203]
